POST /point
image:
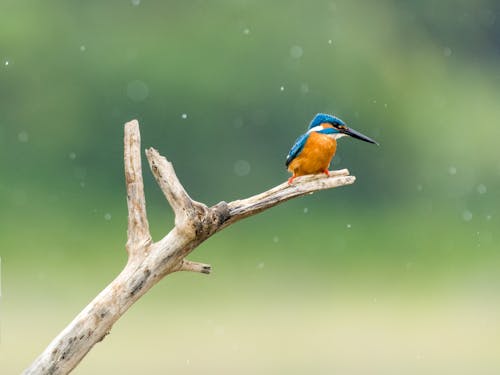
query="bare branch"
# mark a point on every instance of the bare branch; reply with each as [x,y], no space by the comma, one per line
[138,227]
[240,209]
[172,188]
[187,265]
[149,262]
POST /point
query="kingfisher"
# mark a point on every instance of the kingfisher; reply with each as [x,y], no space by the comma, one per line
[313,151]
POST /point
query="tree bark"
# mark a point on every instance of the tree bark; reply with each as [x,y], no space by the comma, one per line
[148,261]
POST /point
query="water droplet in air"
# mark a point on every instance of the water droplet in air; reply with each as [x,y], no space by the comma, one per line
[260,265]
[330,41]
[306,210]
[23,137]
[452,170]
[136,2]
[184,116]
[72,155]
[82,48]
[304,88]
[348,226]
[447,51]
[6,63]
[282,88]
[467,215]
[276,239]
[481,189]
[420,187]
[246,31]
[107,216]
[296,52]
[241,167]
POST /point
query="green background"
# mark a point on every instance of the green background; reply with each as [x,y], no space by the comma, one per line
[396,274]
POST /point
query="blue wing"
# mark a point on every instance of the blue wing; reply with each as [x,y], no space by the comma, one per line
[296,148]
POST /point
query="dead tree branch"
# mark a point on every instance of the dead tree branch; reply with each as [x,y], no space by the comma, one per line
[148,261]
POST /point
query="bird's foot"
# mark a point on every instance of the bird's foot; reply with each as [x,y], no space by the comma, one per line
[326,172]
[290,180]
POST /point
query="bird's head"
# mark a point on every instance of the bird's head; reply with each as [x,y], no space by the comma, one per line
[333,126]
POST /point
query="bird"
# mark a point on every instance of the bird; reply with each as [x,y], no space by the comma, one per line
[313,151]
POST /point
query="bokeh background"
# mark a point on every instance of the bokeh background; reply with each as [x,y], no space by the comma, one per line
[396,274]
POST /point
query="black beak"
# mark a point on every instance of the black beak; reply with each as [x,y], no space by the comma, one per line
[355,134]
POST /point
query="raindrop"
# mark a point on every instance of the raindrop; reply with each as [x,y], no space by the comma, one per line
[6,63]
[136,2]
[276,239]
[137,91]
[82,48]
[348,226]
[184,116]
[282,88]
[107,216]
[452,170]
[72,155]
[330,41]
[306,210]
[246,31]
[296,52]
[488,217]
[304,88]
[467,215]
[420,187]
[260,265]
[23,137]
[241,167]
[481,189]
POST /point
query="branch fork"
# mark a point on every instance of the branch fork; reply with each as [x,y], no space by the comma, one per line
[148,261]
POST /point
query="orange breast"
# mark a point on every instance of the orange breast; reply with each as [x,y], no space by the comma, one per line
[315,156]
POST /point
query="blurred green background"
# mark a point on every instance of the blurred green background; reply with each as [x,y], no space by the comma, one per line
[396,274]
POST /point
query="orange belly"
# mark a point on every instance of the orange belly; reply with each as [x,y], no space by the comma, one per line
[315,157]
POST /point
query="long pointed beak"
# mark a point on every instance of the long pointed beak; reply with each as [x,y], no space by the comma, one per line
[355,134]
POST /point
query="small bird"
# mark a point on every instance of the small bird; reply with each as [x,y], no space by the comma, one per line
[313,151]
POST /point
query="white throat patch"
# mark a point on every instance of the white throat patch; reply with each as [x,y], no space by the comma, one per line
[334,136]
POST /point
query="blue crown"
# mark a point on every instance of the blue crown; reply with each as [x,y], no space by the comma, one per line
[321,118]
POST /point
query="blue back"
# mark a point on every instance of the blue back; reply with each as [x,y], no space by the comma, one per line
[321,118]
[296,148]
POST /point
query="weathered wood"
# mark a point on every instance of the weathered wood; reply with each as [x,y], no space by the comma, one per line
[149,261]
[138,235]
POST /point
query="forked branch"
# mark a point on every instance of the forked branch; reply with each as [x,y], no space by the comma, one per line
[149,261]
